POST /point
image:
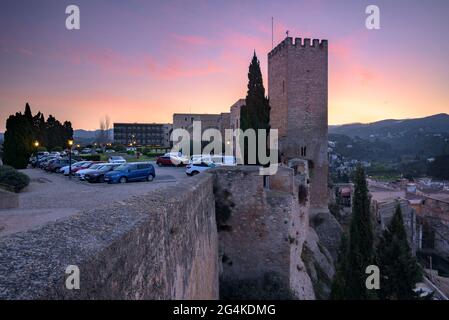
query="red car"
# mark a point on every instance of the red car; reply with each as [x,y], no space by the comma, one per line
[170,160]
[86,166]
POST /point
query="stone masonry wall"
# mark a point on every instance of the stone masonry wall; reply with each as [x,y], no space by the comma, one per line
[162,245]
[298,91]
[261,233]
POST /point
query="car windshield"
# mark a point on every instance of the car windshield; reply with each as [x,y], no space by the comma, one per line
[96,166]
[123,167]
[116,158]
[105,168]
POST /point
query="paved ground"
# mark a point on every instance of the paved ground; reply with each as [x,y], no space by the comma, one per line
[52,196]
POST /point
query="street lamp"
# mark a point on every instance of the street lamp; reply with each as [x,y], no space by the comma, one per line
[36,145]
[70,143]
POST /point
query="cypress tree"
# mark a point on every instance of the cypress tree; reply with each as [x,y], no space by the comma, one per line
[399,268]
[23,129]
[361,239]
[338,288]
[255,114]
[17,147]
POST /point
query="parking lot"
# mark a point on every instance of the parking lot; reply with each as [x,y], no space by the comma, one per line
[52,196]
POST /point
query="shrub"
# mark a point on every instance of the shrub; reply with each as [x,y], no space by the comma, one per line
[91,157]
[12,179]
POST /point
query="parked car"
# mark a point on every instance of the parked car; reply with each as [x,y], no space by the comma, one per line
[195,168]
[196,158]
[75,166]
[98,174]
[56,165]
[224,160]
[131,172]
[94,166]
[117,159]
[84,166]
[48,164]
[45,160]
[110,150]
[171,160]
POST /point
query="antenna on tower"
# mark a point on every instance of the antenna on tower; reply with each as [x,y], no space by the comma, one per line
[272,37]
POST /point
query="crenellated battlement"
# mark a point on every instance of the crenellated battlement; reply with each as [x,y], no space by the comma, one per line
[298,43]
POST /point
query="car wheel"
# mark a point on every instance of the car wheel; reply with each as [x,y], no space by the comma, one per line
[159,164]
[122,180]
[150,178]
[101,179]
[194,173]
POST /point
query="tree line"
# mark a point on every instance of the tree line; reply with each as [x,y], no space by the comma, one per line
[391,253]
[23,129]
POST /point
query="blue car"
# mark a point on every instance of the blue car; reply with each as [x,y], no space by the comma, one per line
[131,172]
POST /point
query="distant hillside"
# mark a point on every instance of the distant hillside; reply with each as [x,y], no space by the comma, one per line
[390,140]
[88,136]
[438,123]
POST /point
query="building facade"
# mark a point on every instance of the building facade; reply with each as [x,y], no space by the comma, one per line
[298,90]
[208,121]
[143,134]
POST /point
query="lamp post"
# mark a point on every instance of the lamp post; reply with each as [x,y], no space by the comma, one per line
[36,145]
[70,143]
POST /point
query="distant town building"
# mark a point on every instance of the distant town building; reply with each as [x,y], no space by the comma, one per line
[143,134]
[235,113]
[216,121]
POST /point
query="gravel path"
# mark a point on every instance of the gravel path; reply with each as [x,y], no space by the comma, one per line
[52,196]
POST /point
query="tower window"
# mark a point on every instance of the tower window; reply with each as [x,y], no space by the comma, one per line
[303,151]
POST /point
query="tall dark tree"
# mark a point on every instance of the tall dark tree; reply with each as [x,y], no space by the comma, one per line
[338,288]
[39,129]
[358,253]
[23,129]
[18,144]
[255,114]
[361,239]
[399,268]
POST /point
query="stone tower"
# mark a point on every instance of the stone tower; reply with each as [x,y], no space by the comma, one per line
[297,88]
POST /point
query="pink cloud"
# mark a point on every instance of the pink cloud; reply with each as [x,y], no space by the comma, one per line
[192,40]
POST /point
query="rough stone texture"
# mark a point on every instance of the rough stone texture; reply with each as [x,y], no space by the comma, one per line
[298,91]
[434,215]
[328,230]
[8,200]
[319,264]
[162,245]
[383,211]
[261,230]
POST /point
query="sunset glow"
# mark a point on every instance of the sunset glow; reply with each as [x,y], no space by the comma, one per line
[142,61]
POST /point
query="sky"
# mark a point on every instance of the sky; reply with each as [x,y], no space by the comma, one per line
[142,61]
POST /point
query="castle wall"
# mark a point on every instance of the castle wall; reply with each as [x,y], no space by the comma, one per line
[298,90]
[162,245]
[261,233]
